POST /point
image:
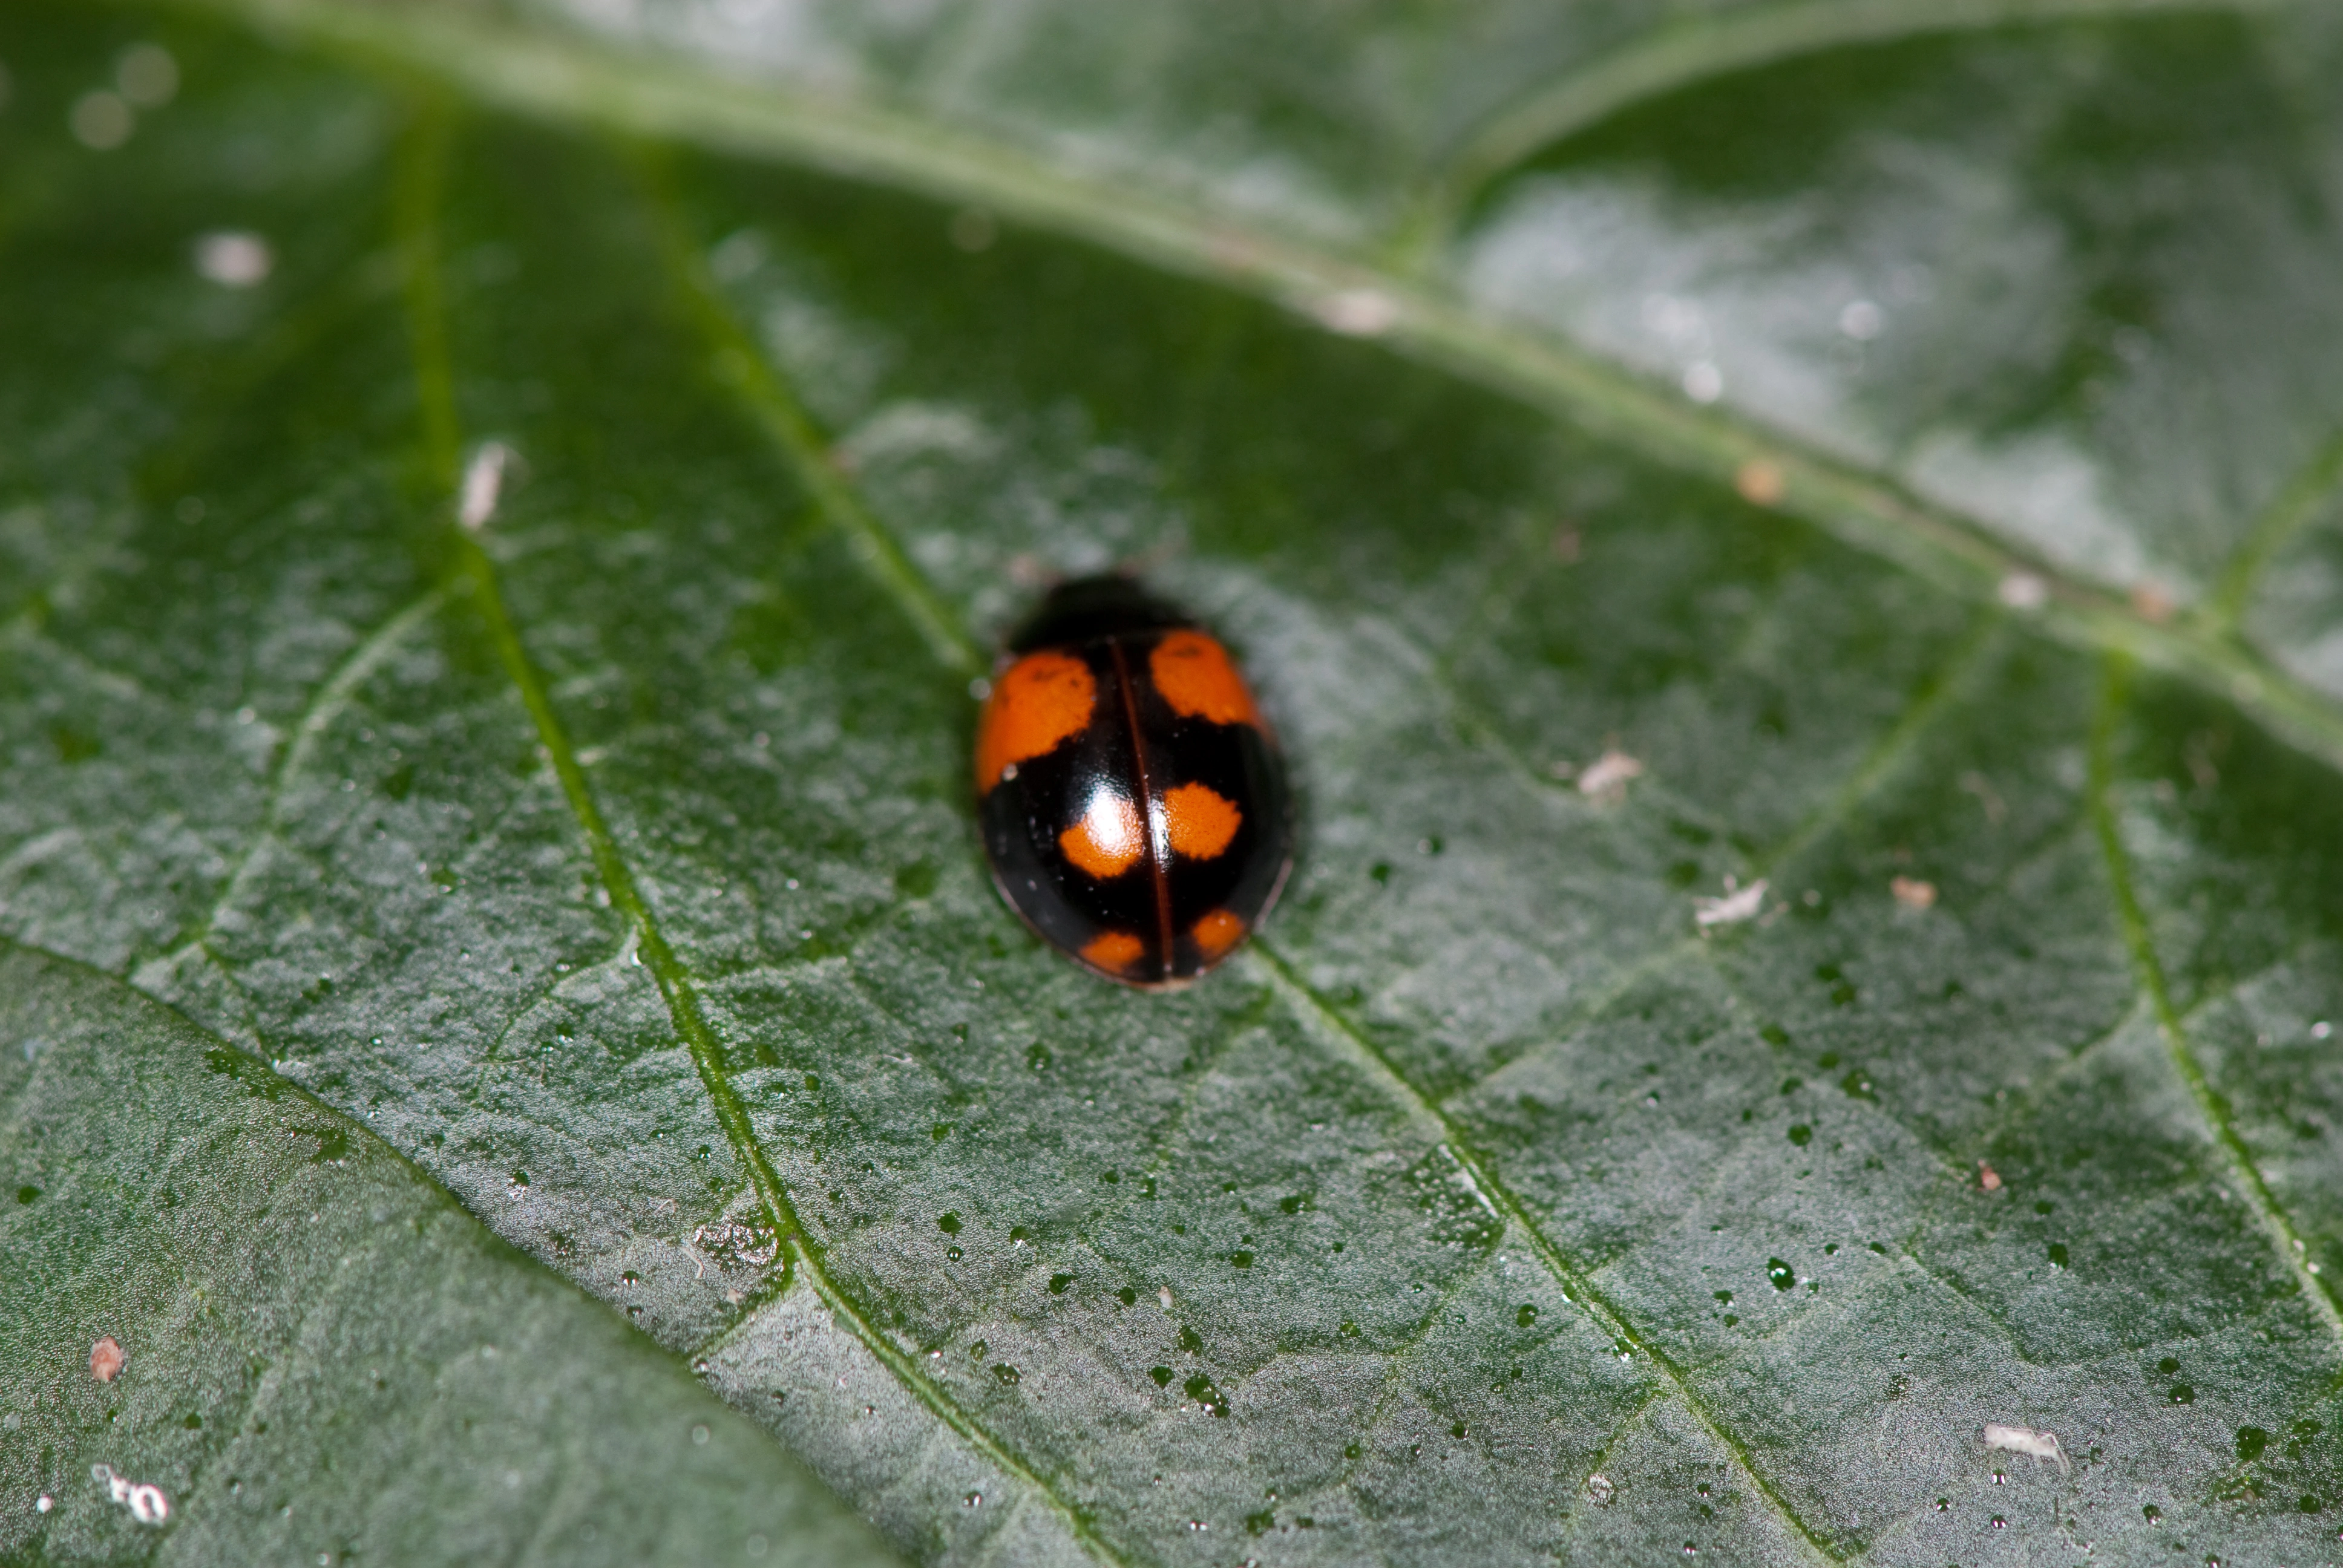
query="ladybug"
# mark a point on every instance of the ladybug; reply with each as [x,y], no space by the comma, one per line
[1134,803]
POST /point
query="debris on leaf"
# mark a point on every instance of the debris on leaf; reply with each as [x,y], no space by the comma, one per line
[1606,779]
[107,1359]
[2152,602]
[146,1501]
[2023,591]
[1357,312]
[732,1244]
[1737,905]
[1599,1487]
[484,478]
[1760,482]
[1913,893]
[2026,1439]
[234,258]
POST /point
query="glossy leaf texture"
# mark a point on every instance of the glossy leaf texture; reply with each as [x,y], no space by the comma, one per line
[306,1350]
[1791,553]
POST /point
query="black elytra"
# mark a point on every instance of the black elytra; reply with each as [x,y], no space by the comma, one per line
[1133,804]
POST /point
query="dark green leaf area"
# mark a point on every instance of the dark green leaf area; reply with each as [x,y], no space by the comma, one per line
[636,850]
[317,1359]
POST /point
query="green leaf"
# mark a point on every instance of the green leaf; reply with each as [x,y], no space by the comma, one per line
[1792,551]
[289,1345]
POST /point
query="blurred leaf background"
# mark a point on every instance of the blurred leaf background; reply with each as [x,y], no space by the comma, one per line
[502,1014]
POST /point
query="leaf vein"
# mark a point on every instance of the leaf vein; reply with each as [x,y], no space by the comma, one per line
[2132,919]
[425,152]
[758,386]
[1704,45]
[325,705]
[1575,1281]
[2287,515]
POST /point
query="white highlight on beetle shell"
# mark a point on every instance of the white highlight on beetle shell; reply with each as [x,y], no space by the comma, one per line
[1112,826]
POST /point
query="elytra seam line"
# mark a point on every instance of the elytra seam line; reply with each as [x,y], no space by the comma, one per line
[1155,867]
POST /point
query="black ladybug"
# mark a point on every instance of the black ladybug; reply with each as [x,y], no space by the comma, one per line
[1135,806]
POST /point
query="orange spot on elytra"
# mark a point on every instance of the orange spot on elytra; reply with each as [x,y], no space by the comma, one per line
[1037,703]
[1217,932]
[1196,677]
[1200,822]
[1107,839]
[1115,951]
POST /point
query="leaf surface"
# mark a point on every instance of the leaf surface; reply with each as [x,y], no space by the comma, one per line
[1908,458]
[307,1351]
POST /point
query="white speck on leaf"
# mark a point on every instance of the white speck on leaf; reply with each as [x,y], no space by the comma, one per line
[2024,590]
[483,480]
[1607,778]
[1737,905]
[146,1501]
[2026,1439]
[234,258]
[1357,313]
[1913,893]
